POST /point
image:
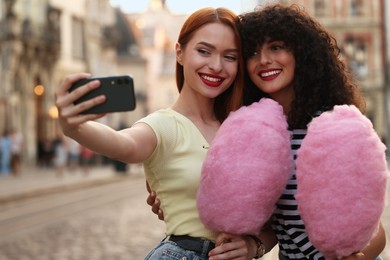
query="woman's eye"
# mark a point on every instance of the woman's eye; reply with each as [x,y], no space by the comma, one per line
[231,57]
[203,51]
[277,46]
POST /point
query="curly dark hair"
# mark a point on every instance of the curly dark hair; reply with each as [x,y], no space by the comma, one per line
[321,79]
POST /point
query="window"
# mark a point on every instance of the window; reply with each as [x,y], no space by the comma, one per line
[78,43]
[2,10]
[355,52]
[320,8]
[356,7]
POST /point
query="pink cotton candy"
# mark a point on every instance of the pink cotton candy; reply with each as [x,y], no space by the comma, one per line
[246,169]
[342,178]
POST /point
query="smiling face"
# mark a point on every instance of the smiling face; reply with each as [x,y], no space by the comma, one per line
[209,60]
[272,68]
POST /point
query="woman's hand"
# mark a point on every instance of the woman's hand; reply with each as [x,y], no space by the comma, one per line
[373,249]
[69,114]
[356,256]
[153,201]
[235,247]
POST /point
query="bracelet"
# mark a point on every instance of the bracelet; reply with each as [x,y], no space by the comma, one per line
[260,250]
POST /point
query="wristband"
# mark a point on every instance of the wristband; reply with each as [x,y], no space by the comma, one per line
[260,247]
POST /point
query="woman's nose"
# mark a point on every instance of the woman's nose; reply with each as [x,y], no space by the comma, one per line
[264,58]
[215,64]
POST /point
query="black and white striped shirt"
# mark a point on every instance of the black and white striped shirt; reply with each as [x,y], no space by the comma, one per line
[287,223]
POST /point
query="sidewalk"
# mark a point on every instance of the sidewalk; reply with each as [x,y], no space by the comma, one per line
[34,181]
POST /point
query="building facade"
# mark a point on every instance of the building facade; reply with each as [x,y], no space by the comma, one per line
[386,94]
[30,47]
[158,29]
[358,28]
[42,41]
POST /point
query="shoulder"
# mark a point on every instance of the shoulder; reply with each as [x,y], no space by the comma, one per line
[160,119]
[164,123]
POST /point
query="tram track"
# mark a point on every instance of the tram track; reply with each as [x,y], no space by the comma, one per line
[22,216]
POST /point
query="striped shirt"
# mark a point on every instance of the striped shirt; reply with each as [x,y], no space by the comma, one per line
[287,223]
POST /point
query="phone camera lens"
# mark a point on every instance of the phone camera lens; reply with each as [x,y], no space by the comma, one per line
[119,81]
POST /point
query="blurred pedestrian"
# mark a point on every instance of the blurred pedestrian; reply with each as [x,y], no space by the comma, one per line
[60,155]
[73,154]
[86,159]
[5,147]
[16,151]
[45,153]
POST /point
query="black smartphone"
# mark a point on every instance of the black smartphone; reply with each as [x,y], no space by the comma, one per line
[119,92]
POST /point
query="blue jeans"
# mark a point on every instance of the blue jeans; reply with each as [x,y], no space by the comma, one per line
[168,250]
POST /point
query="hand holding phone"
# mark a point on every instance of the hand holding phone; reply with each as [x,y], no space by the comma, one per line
[119,92]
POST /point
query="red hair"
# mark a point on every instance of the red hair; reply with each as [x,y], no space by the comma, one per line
[231,99]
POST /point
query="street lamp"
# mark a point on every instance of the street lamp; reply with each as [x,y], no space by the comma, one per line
[39,90]
[53,112]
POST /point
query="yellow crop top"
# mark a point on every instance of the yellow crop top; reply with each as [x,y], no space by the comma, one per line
[174,169]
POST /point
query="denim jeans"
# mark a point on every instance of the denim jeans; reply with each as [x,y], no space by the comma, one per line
[168,250]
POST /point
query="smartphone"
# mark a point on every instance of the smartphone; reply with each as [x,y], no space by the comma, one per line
[119,92]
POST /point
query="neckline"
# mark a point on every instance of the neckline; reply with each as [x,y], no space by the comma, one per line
[192,123]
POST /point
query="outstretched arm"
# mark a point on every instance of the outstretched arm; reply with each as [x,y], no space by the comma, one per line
[130,145]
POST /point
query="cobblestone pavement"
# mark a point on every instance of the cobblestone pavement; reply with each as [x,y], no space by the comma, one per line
[122,230]
[125,229]
[33,180]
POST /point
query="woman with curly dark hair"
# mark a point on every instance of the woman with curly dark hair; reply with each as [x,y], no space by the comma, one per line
[320,80]
[293,60]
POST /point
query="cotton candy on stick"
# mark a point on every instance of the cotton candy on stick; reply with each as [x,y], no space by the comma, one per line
[342,178]
[246,169]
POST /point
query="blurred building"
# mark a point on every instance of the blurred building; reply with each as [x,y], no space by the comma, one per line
[30,47]
[358,27]
[386,96]
[42,41]
[158,30]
